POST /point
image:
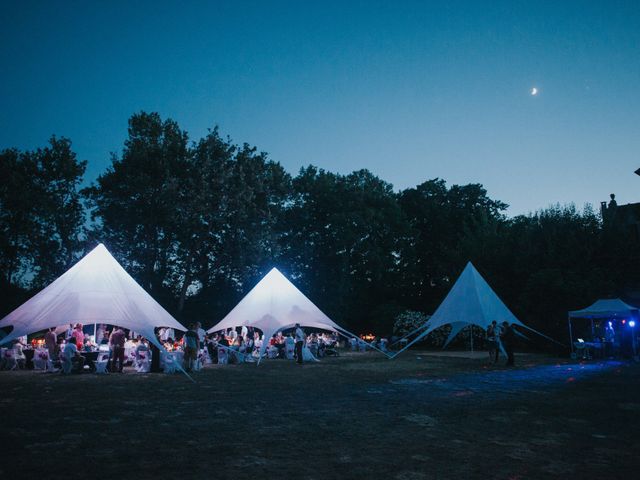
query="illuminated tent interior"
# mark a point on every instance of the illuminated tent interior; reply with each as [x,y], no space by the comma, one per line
[95,290]
[273,305]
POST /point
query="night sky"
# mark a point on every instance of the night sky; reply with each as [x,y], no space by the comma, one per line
[409,90]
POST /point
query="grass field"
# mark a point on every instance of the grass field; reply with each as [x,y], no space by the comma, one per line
[420,416]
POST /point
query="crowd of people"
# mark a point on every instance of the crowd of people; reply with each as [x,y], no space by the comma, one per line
[72,350]
[231,346]
[114,347]
[109,349]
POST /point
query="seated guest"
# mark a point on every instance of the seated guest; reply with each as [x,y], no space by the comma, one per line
[129,350]
[211,341]
[19,355]
[71,356]
[249,344]
[88,346]
[141,347]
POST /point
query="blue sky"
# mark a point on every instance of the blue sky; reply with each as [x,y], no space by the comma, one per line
[409,90]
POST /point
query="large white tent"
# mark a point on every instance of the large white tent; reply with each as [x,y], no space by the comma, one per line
[275,304]
[95,290]
[471,301]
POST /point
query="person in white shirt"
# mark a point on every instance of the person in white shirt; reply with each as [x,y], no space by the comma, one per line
[201,333]
[71,355]
[300,337]
[167,334]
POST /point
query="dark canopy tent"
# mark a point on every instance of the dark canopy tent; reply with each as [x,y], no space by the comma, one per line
[603,309]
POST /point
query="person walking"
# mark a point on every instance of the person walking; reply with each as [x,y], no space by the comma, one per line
[116,342]
[508,338]
[300,337]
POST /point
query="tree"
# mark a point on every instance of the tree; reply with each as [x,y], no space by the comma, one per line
[344,242]
[135,203]
[61,213]
[41,214]
[441,219]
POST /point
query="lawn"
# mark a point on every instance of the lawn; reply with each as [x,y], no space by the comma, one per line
[420,416]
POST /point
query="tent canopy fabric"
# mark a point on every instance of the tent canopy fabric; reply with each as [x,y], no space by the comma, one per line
[605,308]
[275,304]
[471,301]
[95,290]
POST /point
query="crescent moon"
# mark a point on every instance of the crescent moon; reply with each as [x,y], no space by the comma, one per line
[534,91]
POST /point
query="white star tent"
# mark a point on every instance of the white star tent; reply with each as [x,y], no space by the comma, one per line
[471,301]
[95,290]
[273,305]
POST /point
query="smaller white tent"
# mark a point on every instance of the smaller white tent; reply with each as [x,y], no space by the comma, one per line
[275,304]
[95,290]
[471,301]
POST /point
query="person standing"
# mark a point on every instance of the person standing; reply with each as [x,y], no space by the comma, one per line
[497,334]
[300,336]
[191,348]
[201,333]
[508,338]
[116,342]
[493,339]
[51,341]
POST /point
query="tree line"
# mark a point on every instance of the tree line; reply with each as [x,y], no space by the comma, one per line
[198,223]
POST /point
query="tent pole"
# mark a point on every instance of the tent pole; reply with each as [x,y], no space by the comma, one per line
[471,335]
[570,336]
[417,339]
[424,325]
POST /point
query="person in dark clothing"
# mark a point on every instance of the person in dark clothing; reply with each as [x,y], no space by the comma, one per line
[300,338]
[116,341]
[508,338]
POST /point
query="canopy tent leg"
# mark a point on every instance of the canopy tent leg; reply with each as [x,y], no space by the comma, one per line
[571,337]
[417,339]
[471,335]
[421,327]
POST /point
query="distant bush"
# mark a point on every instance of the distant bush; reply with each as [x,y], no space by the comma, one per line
[408,321]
